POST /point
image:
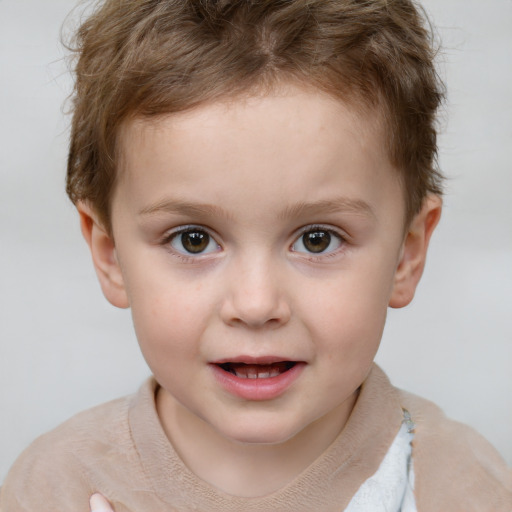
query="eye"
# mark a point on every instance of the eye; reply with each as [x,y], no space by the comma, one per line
[193,241]
[318,241]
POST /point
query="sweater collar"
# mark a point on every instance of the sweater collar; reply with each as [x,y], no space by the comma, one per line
[327,484]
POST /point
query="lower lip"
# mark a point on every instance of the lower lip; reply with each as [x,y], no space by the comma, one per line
[257,389]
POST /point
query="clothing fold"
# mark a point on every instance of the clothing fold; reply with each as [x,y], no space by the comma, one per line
[121,450]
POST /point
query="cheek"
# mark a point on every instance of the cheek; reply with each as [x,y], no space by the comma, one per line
[352,329]
[350,312]
[167,339]
[167,320]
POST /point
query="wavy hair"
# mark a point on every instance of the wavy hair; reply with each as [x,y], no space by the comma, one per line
[146,58]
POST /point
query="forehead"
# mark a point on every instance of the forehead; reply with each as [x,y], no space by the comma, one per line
[290,139]
[299,114]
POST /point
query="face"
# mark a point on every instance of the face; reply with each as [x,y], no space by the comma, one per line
[257,242]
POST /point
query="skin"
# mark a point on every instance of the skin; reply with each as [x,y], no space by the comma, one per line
[255,177]
[99,504]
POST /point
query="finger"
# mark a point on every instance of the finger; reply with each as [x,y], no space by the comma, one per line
[100,504]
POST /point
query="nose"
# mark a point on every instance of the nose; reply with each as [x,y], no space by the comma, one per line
[255,296]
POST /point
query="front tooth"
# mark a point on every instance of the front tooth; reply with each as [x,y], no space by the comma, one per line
[252,373]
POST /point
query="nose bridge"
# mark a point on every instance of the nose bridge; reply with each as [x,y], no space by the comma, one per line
[256,295]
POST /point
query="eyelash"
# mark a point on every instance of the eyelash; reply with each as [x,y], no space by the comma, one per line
[321,228]
[185,255]
[312,256]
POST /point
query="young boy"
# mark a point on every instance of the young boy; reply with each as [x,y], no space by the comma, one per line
[256,180]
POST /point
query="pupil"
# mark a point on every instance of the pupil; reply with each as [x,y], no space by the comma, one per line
[195,241]
[317,241]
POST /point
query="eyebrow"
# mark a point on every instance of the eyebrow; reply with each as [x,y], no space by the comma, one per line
[336,205]
[173,206]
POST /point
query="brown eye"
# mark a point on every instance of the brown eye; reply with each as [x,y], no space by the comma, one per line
[193,241]
[316,241]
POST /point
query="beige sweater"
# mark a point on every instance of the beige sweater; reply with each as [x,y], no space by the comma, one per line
[120,449]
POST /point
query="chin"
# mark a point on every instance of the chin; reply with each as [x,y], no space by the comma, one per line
[266,433]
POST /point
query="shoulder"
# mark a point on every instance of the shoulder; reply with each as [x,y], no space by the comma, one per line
[455,467]
[60,467]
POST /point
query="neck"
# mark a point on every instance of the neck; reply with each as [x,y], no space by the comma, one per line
[246,469]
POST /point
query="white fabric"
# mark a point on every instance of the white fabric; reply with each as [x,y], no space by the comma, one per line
[391,488]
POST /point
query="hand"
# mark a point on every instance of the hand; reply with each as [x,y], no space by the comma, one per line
[100,504]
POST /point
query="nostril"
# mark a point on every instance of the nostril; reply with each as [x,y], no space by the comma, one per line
[255,297]
[255,315]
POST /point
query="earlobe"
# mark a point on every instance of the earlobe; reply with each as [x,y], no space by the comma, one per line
[104,256]
[414,252]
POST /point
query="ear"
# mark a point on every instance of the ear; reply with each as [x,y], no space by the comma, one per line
[414,252]
[104,256]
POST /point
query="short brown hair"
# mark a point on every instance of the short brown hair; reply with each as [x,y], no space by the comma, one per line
[144,58]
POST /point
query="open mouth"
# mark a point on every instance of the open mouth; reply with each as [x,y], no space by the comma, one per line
[257,371]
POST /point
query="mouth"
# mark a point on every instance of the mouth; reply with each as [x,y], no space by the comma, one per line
[257,371]
[256,379]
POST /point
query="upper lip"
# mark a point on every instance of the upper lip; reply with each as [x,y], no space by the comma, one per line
[253,359]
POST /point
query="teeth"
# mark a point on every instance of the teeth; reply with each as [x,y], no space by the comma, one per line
[253,372]
[256,371]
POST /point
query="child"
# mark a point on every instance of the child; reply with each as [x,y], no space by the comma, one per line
[256,181]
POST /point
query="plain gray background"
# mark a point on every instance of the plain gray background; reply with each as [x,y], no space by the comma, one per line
[63,348]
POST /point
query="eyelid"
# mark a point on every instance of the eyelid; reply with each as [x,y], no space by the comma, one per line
[172,234]
[321,227]
[336,232]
